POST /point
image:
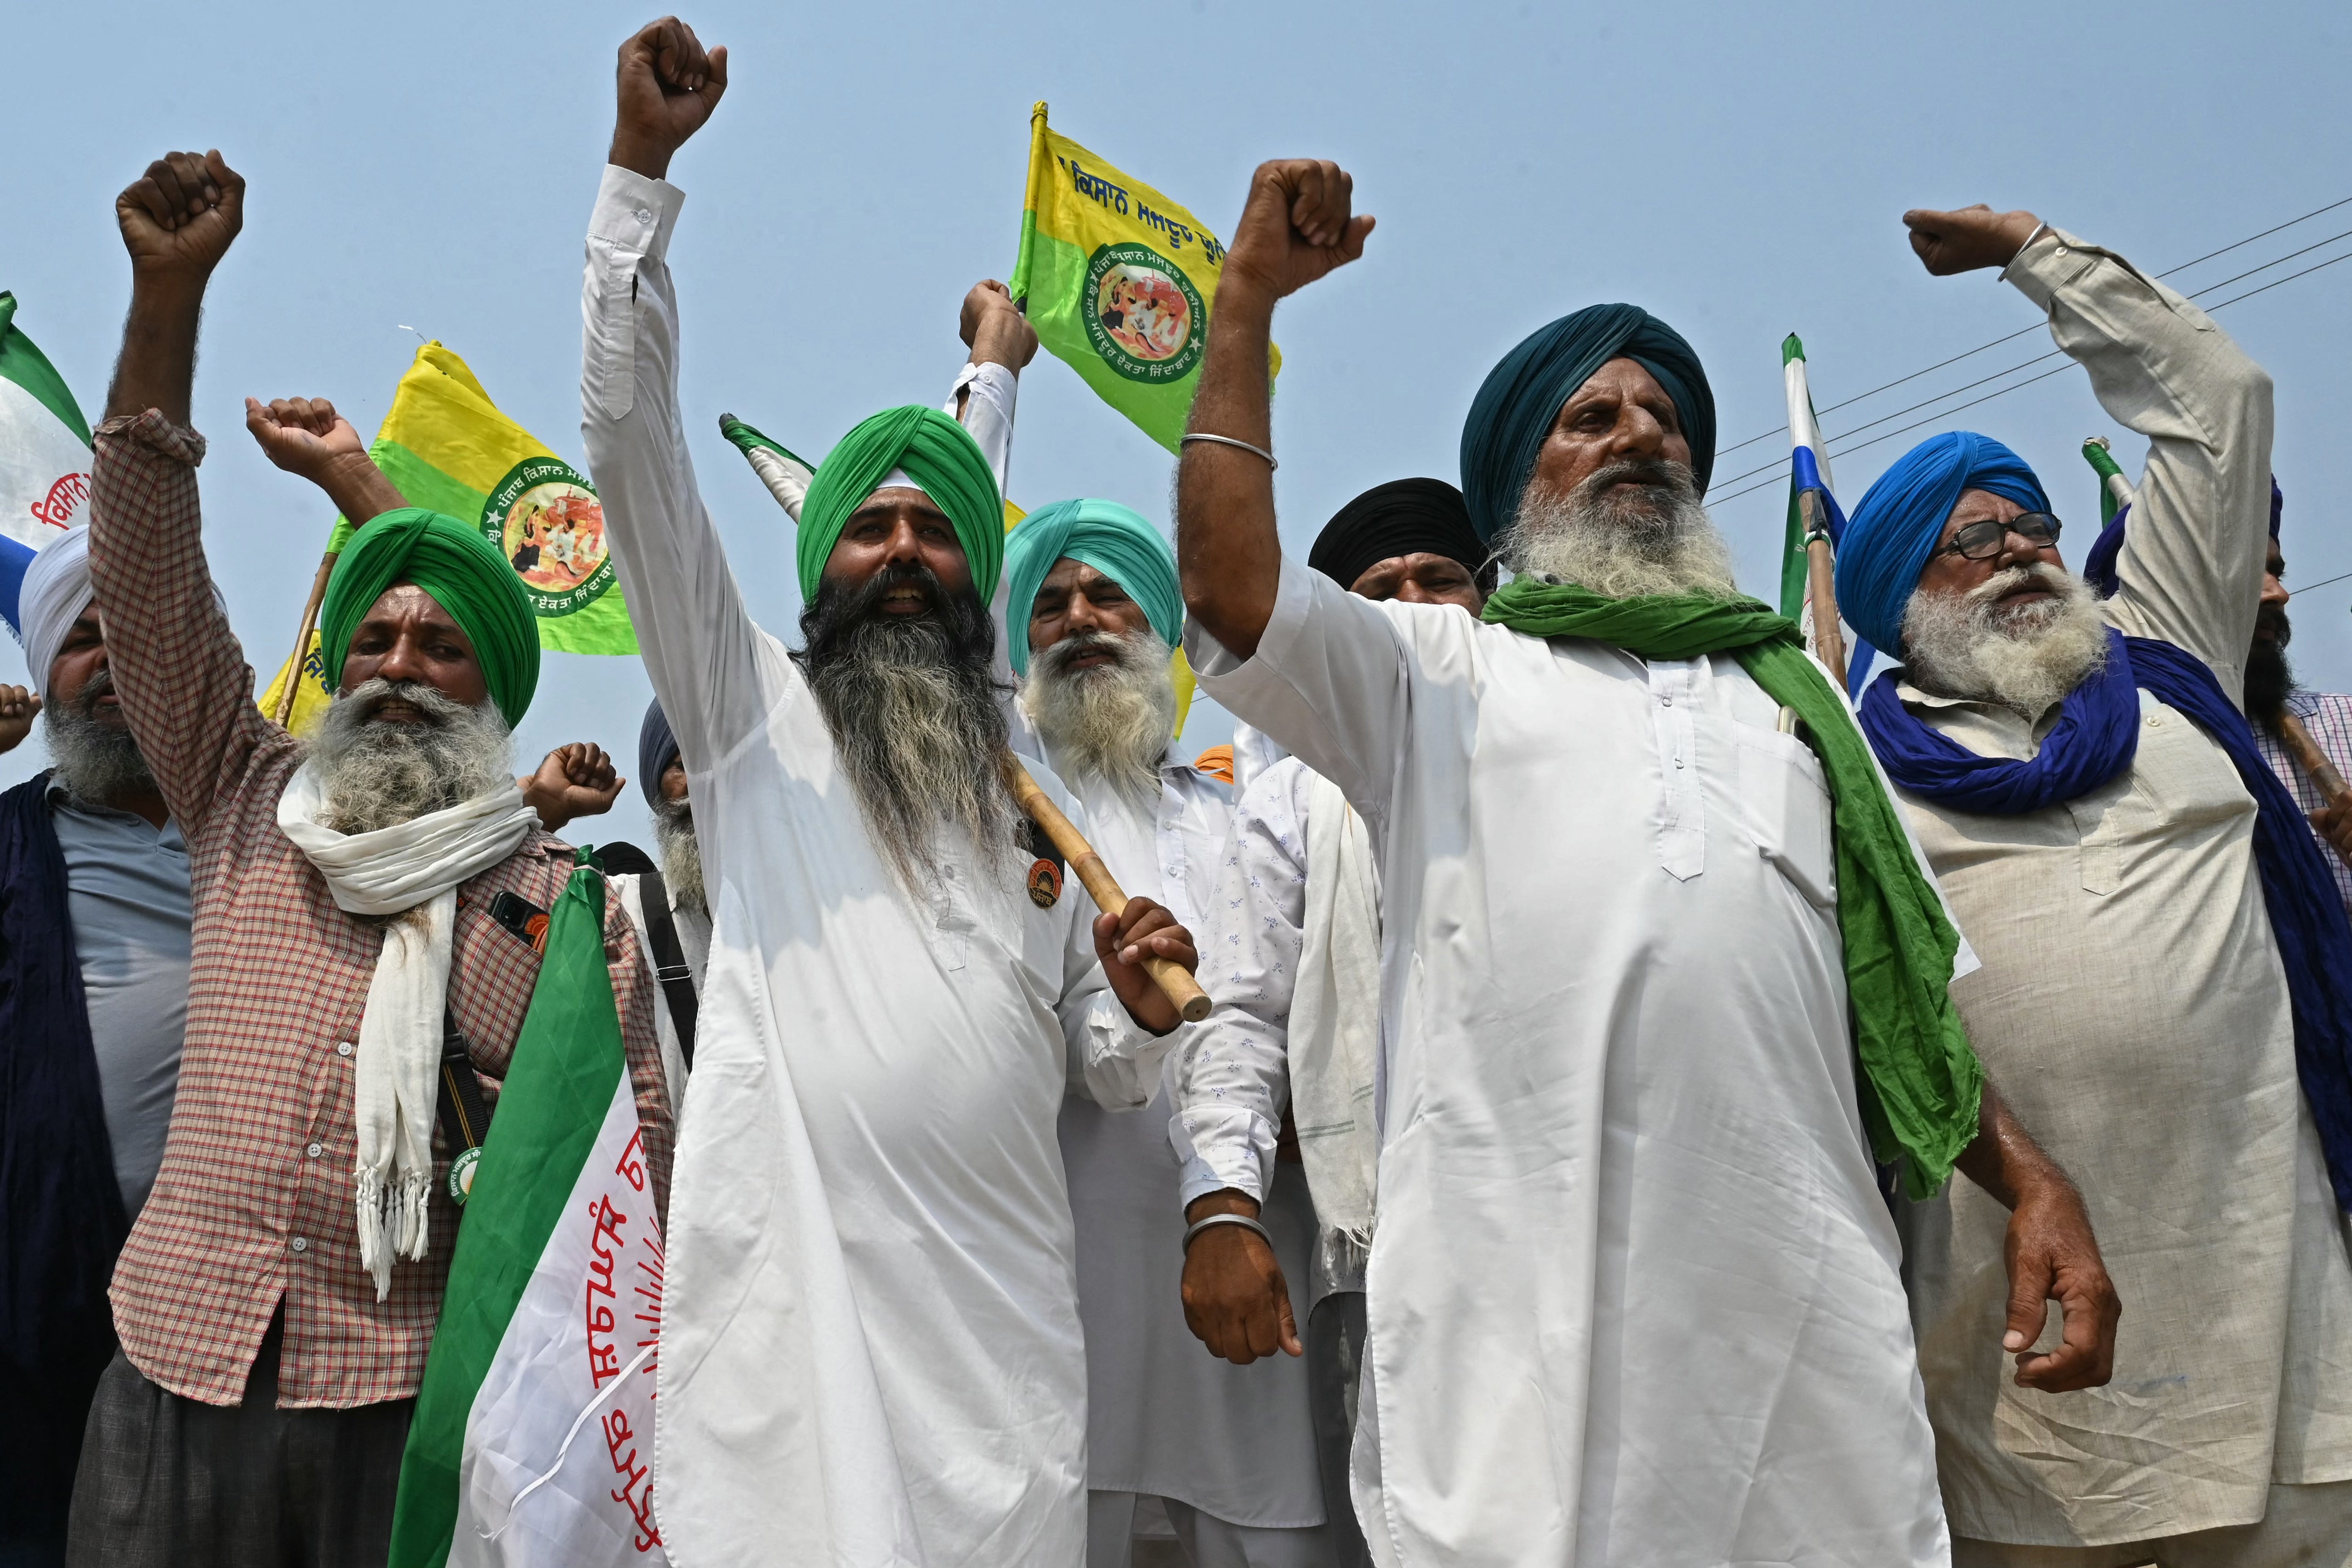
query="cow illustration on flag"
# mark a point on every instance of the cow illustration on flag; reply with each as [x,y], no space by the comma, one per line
[45,450]
[532,1442]
[1118,281]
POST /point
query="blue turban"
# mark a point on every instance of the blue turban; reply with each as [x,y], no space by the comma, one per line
[1522,397]
[657,749]
[1107,537]
[1891,535]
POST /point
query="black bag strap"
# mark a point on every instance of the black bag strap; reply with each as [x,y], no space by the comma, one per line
[669,961]
[465,1113]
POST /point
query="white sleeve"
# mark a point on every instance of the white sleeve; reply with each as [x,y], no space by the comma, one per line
[718,675]
[1230,1082]
[2192,559]
[987,394]
[1113,1060]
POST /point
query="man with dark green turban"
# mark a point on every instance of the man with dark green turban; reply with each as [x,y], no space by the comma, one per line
[1661,971]
[870,1337]
[362,901]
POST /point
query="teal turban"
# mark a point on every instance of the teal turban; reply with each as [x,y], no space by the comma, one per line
[465,577]
[1107,537]
[939,455]
[1891,534]
[1522,397]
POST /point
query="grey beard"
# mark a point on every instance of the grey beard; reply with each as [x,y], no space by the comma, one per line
[681,853]
[1623,542]
[375,775]
[913,711]
[1114,720]
[2027,658]
[95,761]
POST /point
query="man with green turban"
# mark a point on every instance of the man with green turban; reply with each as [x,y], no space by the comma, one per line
[1660,973]
[362,899]
[870,1337]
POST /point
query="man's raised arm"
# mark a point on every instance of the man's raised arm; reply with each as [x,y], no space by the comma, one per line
[1297,226]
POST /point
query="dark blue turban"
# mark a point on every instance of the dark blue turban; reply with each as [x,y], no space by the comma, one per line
[1522,397]
[657,749]
[1891,535]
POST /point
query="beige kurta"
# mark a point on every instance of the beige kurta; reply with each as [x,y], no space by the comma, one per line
[2133,1011]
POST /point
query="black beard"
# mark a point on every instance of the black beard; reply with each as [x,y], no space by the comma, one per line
[916,713]
[2269,678]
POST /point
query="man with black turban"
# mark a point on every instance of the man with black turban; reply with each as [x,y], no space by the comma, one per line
[1661,971]
[871,1349]
[2167,965]
[361,900]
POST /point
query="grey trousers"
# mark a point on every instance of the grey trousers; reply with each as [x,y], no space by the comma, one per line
[1335,1360]
[2303,1527]
[170,1481]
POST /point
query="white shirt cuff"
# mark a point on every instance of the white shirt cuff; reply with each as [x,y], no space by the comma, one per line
[1222,1147]
[635,214]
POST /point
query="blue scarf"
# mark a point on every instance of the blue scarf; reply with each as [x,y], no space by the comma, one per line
[60,1203]
[2096,736]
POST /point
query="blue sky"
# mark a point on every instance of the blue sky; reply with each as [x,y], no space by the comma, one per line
[1739,170]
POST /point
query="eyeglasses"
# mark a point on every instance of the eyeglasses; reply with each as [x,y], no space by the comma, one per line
[1984,539]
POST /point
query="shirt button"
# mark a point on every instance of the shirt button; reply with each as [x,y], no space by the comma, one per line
[315,1150]
[644,214]
[2152,721]
[1665,701]
[343,1048]
[301,1244]
[1678,762]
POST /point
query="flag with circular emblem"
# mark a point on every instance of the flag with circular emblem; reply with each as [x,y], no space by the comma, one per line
[44,456]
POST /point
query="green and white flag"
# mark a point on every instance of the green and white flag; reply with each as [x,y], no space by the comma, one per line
[44,456]
[533,1438]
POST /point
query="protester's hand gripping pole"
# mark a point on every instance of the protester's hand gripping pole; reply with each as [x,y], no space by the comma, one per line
[1183,991]
[1821,584]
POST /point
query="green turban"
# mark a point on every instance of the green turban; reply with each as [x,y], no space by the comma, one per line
[465,577]
[939,455]
[1107,537]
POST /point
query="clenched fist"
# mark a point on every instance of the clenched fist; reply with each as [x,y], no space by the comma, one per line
[1967,239]
[572,782]
[179,218]
[1298,225]
[668,86]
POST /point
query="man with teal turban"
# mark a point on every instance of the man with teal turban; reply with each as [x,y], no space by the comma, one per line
[1660,974]
[362,899]
[871,1342]
[2157,927]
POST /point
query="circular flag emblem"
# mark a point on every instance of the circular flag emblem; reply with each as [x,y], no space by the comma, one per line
[1143,315]
[461,1175]
[546,519]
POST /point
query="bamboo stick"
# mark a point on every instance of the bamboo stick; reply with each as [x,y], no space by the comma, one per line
[302,641]
[2313,760]
[1191,1002]
[1820,586]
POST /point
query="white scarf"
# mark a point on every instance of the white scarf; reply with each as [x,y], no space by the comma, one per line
[389,872]
[1335,1032]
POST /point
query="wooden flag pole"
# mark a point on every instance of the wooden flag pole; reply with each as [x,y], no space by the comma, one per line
[1821,585]
[2313,760]
[302,641]
[1192,1002]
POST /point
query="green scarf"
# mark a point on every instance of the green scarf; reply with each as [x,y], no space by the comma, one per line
[1899,946]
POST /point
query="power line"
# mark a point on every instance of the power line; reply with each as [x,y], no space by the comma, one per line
[2021,331]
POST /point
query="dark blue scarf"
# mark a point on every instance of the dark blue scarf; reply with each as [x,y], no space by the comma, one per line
[2094,740]
[61,1219]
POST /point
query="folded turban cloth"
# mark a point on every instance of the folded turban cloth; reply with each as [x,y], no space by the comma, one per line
[657,749]
[1522,397]
[1107,537]
[1891,535]
[55,592]
[935,452]
[1403,517]
[465,577]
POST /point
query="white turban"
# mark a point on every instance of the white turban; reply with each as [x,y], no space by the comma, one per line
[56,592]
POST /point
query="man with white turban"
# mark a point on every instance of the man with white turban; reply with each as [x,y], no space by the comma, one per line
[2167,988]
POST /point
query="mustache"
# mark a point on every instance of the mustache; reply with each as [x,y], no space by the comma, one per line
[437,709]
[1656,471]
[100,684]
[2008,579]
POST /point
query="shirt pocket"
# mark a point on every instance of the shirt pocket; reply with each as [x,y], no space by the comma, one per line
[1783,806]
[609,364]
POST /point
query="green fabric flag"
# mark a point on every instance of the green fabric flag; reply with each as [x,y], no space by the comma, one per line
[1899,945]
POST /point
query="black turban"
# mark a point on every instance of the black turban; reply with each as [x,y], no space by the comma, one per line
[657,749]
[1403,517]
[1522,397]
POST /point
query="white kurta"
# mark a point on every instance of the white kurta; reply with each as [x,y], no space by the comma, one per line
[1633,1296]
[1165,1418]
[870,1342]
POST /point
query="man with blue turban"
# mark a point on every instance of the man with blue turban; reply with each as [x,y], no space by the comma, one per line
[359,949]
[871,1349]
[1660,973]
[2166,983]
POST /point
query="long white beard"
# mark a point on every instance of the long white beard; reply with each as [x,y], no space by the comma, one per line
[1623,540]
[374,775]
[2028,657]
[1113,720]
[681,853]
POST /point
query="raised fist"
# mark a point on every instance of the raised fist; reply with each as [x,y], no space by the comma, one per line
[668,86]
[1297,226]
[17,707]
[993,329]
[178,217]
[1965,240]
[303,435]
[573,780]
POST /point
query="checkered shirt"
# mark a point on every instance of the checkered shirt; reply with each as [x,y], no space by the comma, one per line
[2327,715]
[254,1203]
